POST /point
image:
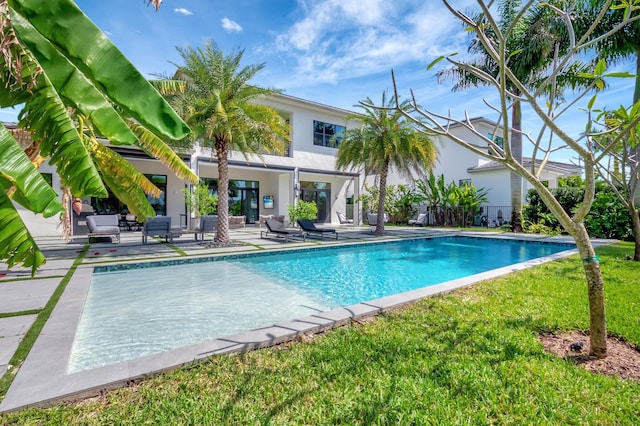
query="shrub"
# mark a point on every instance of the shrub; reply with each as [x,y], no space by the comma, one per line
[200,200]
[608,218]
[303,210]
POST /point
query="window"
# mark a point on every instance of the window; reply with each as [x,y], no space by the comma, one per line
[464,182]
[323,132]
[497,139]
[158,204]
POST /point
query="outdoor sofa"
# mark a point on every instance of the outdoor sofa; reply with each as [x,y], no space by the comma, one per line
[159,226]
[103,226]
[419,220]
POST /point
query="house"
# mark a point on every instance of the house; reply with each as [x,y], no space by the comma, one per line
[459,164]
[258,186]
[269,184]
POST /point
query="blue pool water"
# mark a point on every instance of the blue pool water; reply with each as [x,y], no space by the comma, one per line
[140,311]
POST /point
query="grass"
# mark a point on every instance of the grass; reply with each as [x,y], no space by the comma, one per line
[468,357]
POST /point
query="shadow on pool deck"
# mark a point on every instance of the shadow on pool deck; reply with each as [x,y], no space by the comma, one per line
[42,378]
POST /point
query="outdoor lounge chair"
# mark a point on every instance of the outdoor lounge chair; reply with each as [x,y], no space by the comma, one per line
[372,219]
[103,226]
[419,220]
[310,228]
[277,229]
[159,226]
[208,223]
[343,219]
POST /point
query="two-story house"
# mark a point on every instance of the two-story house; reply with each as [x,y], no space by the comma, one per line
[307,171]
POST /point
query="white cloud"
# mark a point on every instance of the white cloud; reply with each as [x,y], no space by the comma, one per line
[342,39]
[230,25]
[183,11]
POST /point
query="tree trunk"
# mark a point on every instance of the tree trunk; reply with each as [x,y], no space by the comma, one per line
[636,90]
[516,179]
[590,262]
[635,222]
[222,230]
[65,218]
[595,288]
[382,194]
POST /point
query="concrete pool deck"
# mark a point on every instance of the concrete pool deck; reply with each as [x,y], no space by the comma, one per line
[43,380]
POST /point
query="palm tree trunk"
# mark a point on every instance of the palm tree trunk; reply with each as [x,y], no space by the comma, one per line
[382,194]
[516,179]
[222,230]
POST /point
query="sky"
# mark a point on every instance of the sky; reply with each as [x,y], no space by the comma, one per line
[334,52]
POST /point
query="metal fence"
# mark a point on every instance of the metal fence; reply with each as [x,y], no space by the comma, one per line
[485,216]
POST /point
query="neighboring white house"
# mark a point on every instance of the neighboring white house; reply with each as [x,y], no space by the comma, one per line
[307,171]
[459,164]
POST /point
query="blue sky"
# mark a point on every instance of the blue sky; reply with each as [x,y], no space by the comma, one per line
[334,52]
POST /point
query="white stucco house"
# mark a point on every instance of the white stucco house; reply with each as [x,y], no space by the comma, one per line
[459,164]
[307,171]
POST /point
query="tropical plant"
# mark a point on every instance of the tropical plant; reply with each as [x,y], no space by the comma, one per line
[218,104]
[495,41]
[403,203]
[385,139]
[622,168]
[608,217]
[200,200]
[617,47]
[74,88]
[529,40]
[303,210]
[451,205]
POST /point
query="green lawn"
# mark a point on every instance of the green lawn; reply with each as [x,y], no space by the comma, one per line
[468,357]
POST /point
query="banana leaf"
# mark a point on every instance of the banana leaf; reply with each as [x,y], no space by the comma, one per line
[72,85]
[156,148]
[125,181]
[32,191]
[66,26]
[17,246]
[47,117]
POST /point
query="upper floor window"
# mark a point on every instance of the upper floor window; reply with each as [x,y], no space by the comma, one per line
[323,132]
[499,140]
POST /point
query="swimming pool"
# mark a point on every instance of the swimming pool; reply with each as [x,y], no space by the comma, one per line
[137,310]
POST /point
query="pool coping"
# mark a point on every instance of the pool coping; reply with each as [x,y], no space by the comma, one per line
[42,379]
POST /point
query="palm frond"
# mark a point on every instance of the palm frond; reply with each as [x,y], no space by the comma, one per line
[169,87]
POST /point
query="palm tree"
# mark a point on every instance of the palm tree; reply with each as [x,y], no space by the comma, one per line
[530,47]
[218,105]
[75,86]
[618,47]
[385,139]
